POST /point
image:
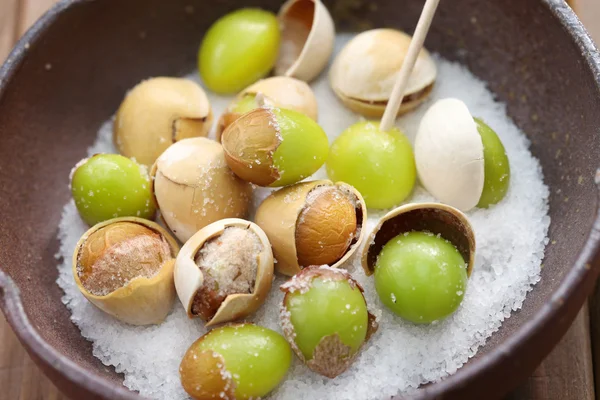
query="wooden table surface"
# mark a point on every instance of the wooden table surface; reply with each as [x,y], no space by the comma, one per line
[566,374]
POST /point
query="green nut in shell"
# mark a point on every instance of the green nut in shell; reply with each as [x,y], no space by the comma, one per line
[274,146]
[420,276]
[325,318]
[380,165]
[243,361]
[421,256]
[107,186]
[238,49]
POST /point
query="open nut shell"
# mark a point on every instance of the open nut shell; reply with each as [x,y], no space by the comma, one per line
[157,113]
[364,72]
[189,278]
[194,187]
[278,91]
[278,215]
[143,301]
[447,221]
[307,38]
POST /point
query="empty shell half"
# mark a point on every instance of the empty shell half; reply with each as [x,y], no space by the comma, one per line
[312,223]
[277,91]
[435,218]
[124,266]
[224,272]
[364,72]
[307,38]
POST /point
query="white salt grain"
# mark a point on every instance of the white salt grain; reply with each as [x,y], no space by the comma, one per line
[511,237]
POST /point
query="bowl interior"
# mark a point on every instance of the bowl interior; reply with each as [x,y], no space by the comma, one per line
[75,74]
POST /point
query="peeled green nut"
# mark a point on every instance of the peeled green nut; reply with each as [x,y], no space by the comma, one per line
[380,165]
[325,319]
[239,49]
[274,146]
[235,362]
[420,277]
[496,166]
[107,186]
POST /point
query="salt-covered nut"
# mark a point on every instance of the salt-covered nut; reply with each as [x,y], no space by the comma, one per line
[157,113]
[325,318]
[224,272]
[124,266]
[277,91]
[274,146]
[364,72]
[421,251]
[307,38]
[317,222]
[460,160]
[235,362]
[194,187]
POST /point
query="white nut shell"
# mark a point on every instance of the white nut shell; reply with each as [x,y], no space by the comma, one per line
[449,154]
[364,72]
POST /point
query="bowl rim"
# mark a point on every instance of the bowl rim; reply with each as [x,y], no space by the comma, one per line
[585,269]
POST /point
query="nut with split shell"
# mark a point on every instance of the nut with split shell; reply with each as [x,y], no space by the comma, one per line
[224,272]
[157,113]
[421,256]
[325,319]
[124,266]
[277,91]
[317,222]
[274,146]
[307,39]
[460,160]
[194,187]
[364,72]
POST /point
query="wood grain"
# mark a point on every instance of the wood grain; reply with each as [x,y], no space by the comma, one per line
[9,11]
[566,374]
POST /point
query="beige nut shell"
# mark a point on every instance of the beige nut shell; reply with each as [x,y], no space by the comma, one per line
[278,214]
[189,278]
[449,222]
[143,301]
[194,187]
[157,113]
[307,39]
[364,72]
[278,91]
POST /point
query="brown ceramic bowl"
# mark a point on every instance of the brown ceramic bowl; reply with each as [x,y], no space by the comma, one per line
[69,73]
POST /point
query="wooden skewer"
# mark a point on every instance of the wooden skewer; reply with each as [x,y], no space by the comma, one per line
[391,110]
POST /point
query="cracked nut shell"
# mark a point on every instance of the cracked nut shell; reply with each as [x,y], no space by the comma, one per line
[312,224]
[124,266]
[157,113]
[194,187]
[219,262]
